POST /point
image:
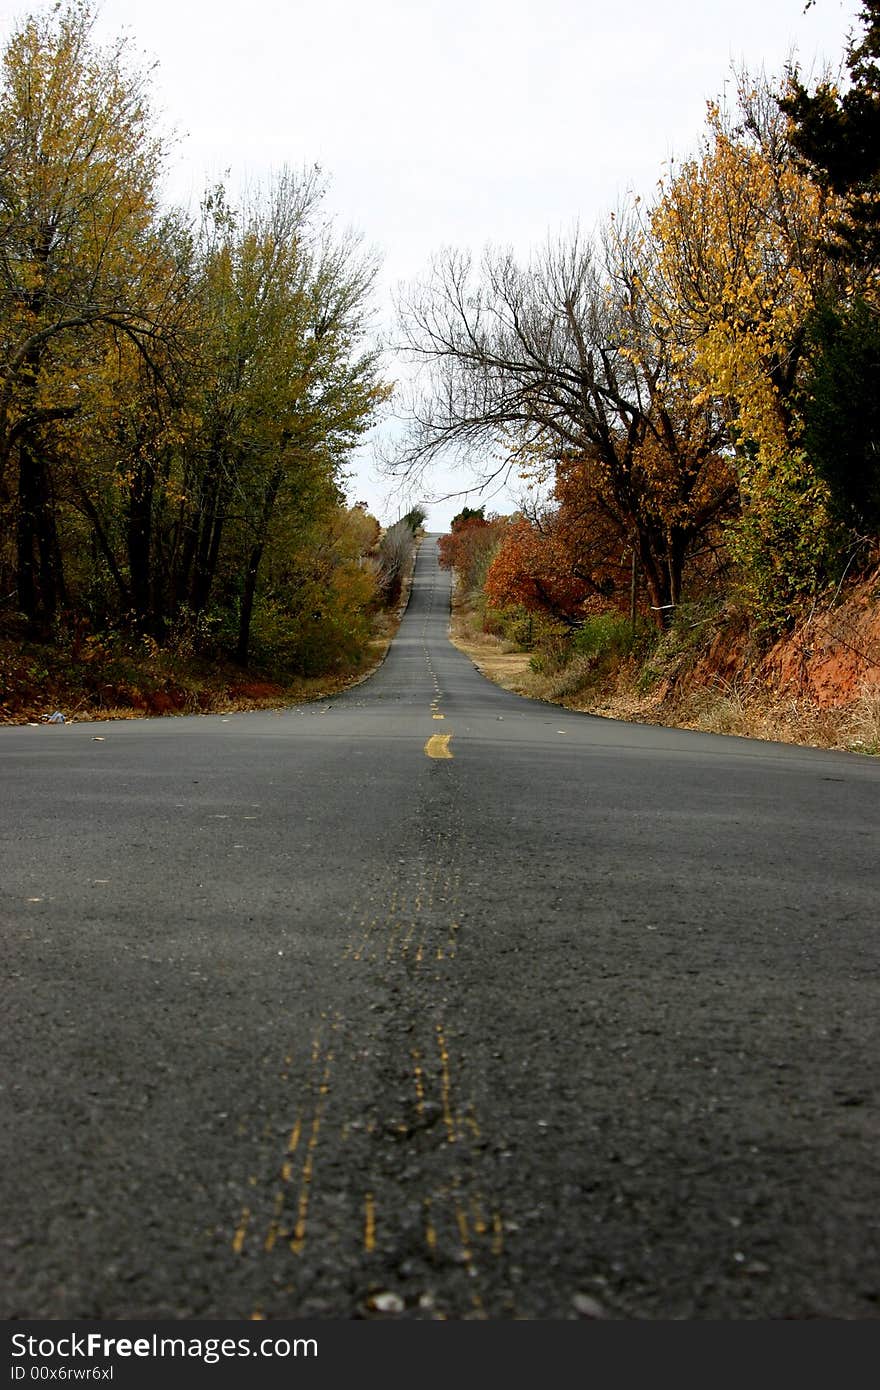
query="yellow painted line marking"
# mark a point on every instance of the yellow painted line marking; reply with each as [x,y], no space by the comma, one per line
[466,1251]
[302,1208]
[241,1232]
[410,933]
[437,746]
[369,1223]
[430,1231]
[477,1216]
[497,1233]
[368,932]
[464,1235]
[448,1117]
[272,1233]
[299,1230]
[396,929]
[420,1081]
[438,716]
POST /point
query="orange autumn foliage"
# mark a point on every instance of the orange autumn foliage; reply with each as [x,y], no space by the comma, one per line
[568,559]
[469,547]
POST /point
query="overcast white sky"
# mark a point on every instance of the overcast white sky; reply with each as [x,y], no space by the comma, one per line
[452,121]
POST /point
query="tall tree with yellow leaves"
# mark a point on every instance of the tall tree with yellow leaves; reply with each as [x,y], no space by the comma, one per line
[742,261]
[286,384]
[79,256]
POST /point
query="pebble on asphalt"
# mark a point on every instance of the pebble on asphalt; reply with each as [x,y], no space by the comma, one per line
[386,1302]
[587,1307]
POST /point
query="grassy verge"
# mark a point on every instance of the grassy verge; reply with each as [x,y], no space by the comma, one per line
[701,675]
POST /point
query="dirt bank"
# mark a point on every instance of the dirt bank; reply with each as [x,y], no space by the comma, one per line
[819,685]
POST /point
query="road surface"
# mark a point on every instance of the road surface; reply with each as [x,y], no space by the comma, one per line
[430,1001]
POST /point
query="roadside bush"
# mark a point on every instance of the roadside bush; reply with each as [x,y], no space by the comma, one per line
[527,630]
[785,542]
[553,654]
[470,547]
[395,554]
[610,637]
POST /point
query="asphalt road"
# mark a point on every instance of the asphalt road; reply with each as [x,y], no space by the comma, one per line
[300,1021]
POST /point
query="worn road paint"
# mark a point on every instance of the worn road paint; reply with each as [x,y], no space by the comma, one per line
[437,746]
[369,1223]
[239,1237]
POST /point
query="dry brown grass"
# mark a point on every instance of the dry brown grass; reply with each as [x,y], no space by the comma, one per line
[496,659]
[862,722]
[747,710]
[743,707]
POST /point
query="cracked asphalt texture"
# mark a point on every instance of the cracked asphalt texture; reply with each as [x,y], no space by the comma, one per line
[299,1022]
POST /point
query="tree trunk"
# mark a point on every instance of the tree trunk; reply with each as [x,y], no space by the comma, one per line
[101,544]
[656,573]
[38,552]
[247,604]
[139,533]
[253,567]
[213,517]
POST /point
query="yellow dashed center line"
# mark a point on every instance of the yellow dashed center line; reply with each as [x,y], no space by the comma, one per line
[272,1233]
[238,1238]
[299,1230]
[448,1117]
[430,1231]
[437,746]
[472,1122]
[420,1082]
[464,1235]
[477,1215]
[369,1223]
